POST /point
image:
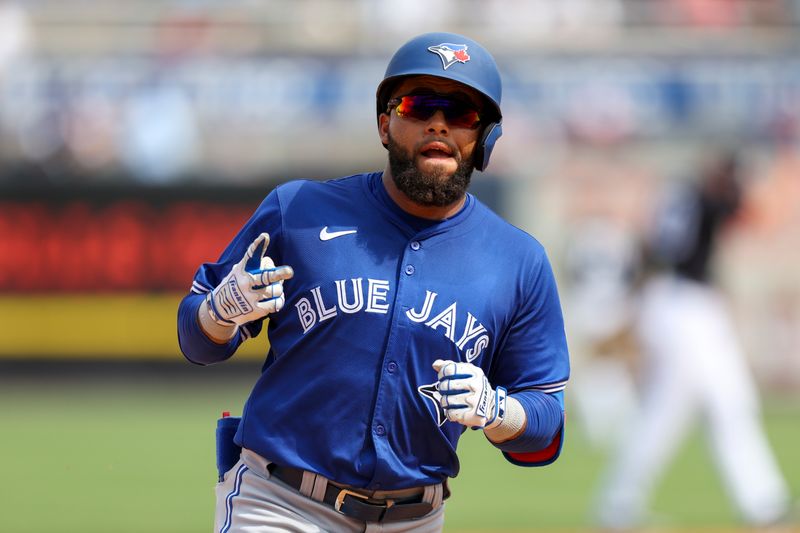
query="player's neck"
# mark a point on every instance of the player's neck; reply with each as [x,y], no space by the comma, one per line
[418,210]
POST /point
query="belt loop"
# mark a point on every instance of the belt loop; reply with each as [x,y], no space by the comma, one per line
[307,485]
[320,486]
[255,462]
[433,495]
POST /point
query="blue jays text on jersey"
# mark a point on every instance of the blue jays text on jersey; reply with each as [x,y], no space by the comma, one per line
[377,296]
[378,292]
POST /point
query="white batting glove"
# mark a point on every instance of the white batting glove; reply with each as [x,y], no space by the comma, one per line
[247,295]
[467,396]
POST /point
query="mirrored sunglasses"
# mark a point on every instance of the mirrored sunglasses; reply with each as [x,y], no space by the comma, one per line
[423,106]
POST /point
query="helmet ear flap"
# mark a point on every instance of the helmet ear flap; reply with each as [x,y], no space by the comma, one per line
[485,144]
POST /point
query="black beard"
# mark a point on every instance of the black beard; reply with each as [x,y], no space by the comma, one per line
[434,189]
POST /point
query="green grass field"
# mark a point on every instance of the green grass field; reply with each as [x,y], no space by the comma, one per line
[132,451]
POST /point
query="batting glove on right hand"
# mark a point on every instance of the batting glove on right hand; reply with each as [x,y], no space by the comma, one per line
[247,295]
[467,396]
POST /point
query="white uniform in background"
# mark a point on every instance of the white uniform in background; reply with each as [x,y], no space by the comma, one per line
[694,371]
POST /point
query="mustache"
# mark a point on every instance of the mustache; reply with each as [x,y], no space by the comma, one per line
[418,148]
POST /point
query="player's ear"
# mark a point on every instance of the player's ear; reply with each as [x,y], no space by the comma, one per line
[383,128]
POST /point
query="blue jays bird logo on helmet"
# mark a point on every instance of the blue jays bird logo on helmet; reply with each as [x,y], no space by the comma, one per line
[450,53]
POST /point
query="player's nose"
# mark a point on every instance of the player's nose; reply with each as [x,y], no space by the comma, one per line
[438,123]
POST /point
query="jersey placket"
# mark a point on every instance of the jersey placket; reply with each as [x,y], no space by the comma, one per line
[394,359]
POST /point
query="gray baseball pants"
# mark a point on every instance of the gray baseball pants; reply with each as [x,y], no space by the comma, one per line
[250,500]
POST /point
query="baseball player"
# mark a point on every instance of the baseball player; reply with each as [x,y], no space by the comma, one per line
[402,311]
[693,366]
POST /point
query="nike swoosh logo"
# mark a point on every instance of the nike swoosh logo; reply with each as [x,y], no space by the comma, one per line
[325,235]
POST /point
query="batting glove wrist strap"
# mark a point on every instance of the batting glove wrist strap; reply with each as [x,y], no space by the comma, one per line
[499,411]
[214,314]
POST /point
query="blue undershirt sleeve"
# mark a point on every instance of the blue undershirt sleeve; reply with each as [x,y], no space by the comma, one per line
[194,343]
[545,417]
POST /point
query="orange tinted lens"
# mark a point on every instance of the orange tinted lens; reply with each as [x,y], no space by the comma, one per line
[424,106]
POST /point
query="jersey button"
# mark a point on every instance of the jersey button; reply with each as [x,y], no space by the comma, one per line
[380,430]
[409,269]
[415,245]
[391,367]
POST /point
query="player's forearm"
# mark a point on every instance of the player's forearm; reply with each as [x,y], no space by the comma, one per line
[543,416]
[195,344]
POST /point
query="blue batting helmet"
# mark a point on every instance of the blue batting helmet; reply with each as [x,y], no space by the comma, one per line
[454,57]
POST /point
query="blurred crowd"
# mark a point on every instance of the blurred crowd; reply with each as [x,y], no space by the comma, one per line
[167,91]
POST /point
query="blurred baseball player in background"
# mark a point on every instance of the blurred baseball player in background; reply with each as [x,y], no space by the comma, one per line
[692,364]
[404,312]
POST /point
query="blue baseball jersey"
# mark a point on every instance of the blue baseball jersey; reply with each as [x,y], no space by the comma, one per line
[347,389]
